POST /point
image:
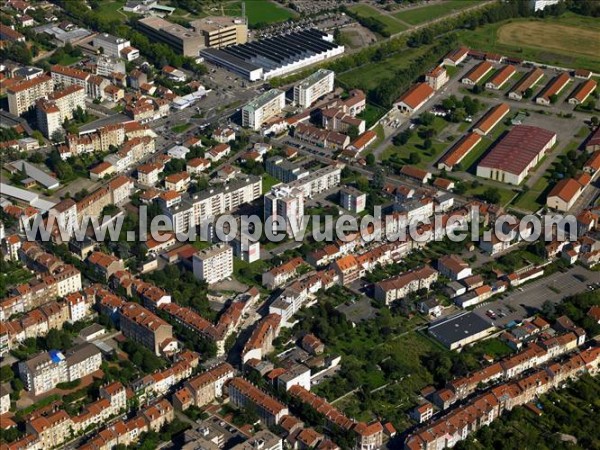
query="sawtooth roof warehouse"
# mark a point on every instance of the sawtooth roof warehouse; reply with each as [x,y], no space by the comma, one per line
[275,56]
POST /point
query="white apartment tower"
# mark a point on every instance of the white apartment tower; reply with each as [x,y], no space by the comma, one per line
[285,203]
[24,94]
[213,264]
[314,87]
[262,108]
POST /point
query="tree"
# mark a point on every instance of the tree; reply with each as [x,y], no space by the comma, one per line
[426,119]
[37,134]
[58,136]
[370,158]
[491,195]
[353,132]
[553,98]
[427,144]
[414,158]
[595,120]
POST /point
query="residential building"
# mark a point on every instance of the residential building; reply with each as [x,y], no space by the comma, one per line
[243,394]
[352,199]
[314,87]
[213,264]
[209,385]
[287,204]
[437,78]
[453,267]
[400,286]
[24,94]
[144,327]
[58,107]
[260,342]
[115,46]
[262,108]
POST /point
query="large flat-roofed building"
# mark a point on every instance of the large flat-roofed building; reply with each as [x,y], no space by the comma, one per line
[219,32]
[213,264]
[457,331]
[183,40]
[518,152]
[314,87]
[262,108]
[209,203]
[275,56]
[24,94]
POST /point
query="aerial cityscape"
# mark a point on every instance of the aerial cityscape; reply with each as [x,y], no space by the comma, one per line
[299,224]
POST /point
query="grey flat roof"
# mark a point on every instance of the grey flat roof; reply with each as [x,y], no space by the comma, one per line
[457,328]
[26,196]
[37,174]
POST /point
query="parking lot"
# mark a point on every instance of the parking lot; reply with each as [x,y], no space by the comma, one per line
[529,299]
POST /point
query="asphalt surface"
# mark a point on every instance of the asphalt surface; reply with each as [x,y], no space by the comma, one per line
[529,298]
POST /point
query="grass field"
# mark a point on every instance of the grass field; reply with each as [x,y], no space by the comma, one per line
[417,16]
[392,26]
[268,182]
[260,12]
[108,9]
[569,40]
[181,127]
[369,76]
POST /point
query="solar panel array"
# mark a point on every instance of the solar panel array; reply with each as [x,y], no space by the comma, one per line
[277,51]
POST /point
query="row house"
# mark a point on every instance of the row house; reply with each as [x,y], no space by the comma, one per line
[281,274]
[243,394]
[399,287]
[260,342]
[204,388]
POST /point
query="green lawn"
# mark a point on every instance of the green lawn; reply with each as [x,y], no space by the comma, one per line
[180,128]
[369,76]
[569,40]
[401,154]
[392,26]
[260,12]
[109,9]
[371,114]
[268,182]
[506,194]
[417,16]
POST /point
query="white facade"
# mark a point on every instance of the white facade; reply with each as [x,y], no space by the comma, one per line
[539,5]
[262,108]
[314,87]
[111,45]
[214,264]
[285,203]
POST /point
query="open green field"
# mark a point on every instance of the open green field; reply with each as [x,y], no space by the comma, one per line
[369,76]
[506,194]
[392,26]
[401,154]
[417,16]
[268,181]
[569,40]
[109,9]
[260,12]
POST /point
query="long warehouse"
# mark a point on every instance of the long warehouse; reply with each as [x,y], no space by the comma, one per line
[275,56]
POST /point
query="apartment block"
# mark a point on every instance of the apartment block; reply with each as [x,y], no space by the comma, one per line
[284,204]
[142,326]
[58,107]
[24,94]
[243,394]
[262,108]
[213,264]
[402,285]
[314,87]
[192,209]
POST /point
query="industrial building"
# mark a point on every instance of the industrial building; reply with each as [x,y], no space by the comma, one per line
[262,108]
[314,87]
[219,32]
[457,331]
[183,40]
[275,56]
[518,152]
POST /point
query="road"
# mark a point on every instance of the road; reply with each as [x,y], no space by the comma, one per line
[529,299]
